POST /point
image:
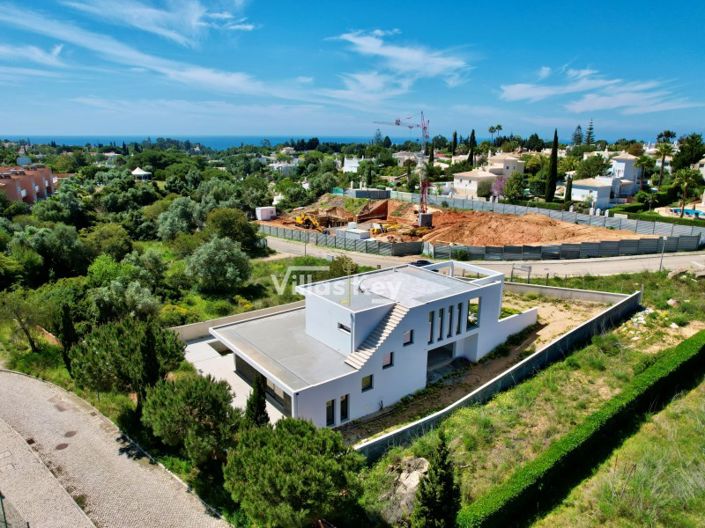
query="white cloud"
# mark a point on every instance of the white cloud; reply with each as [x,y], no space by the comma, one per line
[600,93]
[32,54]
[179,21]
[414,62]
[119,53]
[544,71]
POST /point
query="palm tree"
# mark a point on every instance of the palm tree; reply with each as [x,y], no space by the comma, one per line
[685,178]
[645,163]
[663,149]
[492,131]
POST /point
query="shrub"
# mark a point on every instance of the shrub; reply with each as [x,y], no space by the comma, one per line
[544,479]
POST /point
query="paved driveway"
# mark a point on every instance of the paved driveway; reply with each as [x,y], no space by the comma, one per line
[91,461]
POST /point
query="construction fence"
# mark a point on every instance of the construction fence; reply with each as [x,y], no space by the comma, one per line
[376,247]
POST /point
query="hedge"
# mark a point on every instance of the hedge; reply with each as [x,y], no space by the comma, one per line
[655,217]
[542,482]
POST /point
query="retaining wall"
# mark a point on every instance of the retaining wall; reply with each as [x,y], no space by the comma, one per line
[624,306]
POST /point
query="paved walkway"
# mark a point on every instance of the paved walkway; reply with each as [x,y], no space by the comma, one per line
[117,486]
[31,489]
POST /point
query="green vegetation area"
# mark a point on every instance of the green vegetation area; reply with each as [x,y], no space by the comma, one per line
[656,478]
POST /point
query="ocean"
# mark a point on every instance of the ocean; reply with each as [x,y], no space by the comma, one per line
[214,142]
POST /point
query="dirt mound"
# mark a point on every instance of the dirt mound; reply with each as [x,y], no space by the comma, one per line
[476,228]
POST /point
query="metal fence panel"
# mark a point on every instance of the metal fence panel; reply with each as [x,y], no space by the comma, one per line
[648,245]
[609,248]
[628,225]
[531,252]
[688,243]
[513,253]
[644,227]
[551,252]
[589,249]
[663,229]
[569,251]
[628,247]
[494,253]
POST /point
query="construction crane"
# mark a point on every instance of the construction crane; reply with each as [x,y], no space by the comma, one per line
[423,125]
[405,122]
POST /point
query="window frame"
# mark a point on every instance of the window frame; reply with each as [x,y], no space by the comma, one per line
[371,377]
[410,341]
[391,360]
[330,413]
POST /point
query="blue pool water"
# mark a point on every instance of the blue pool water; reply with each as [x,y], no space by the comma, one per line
[689,212]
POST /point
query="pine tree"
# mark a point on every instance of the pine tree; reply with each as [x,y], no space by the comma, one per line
[552,169]
[472,145]
[454,143]
[578,135]
[430,156]
[438,496]
[67,334]
[150,364]
[590,134]
[256,408]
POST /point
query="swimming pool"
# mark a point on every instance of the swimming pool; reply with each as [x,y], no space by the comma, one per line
[688,212]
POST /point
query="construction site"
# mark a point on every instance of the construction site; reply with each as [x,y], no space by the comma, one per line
[392,220]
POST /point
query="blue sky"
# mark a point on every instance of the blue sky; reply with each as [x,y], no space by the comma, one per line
[225,67]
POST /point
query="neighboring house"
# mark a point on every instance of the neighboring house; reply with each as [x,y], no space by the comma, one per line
[666,164]
[288,151]
[285,168]
[466,183]
[27,184]
[625,175]
[363,342]
[404,155]
[352,164]
[596,190]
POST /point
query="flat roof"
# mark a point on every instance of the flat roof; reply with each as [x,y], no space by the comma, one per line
[280,345]
[407,285]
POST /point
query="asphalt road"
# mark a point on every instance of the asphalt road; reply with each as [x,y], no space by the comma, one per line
[694,260]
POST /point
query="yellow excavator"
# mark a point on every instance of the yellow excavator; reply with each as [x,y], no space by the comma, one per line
[307,221]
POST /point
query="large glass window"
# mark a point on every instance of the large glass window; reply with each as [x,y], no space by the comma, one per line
[344,407]
[458,327]
[431,324]
[408,337]
[473,313]
[450,321]
[367,383]
[441,322]
[330,412]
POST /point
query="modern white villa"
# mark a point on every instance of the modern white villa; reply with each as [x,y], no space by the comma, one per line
[363,342]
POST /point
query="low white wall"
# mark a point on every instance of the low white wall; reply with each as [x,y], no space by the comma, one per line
[564,293]
[190,332]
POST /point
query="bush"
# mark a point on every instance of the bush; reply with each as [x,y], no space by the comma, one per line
[533,486]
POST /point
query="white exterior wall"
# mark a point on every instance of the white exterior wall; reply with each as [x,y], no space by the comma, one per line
[465,187]
[601,195]
[322,318]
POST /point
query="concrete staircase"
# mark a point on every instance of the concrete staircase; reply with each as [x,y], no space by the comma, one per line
[368,347]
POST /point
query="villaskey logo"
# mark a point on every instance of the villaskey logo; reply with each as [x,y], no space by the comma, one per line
[300,274]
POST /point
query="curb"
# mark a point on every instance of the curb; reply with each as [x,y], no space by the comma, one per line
[99,414]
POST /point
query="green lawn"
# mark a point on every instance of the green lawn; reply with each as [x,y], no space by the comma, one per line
[656,478]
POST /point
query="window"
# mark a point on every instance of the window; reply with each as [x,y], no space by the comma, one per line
[431,321]
[473,313]
[450,321]
[330,413]
[367,383]
[388,360]
[441,322]
[458,328]
[344,328]
[344,407]
[408,337]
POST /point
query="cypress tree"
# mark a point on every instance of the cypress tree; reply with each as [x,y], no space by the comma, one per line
[454,143]
[430,156]
[438,496]
[67,334]
[472,145]
[256,408]
[568,190]
[552,169]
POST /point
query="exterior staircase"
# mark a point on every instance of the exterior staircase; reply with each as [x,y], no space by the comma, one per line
[385,327]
